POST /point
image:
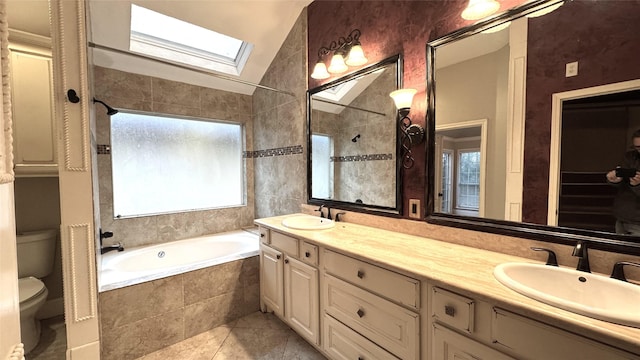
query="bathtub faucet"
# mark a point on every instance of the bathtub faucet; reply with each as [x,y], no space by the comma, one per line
[106,249]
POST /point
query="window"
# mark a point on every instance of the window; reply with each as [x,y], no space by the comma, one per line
[172,39]
[468,189]
[447,175]
[322,166]
[165,165]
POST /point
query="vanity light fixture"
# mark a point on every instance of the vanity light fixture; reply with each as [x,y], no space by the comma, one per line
[478,9]
[348,46]
[545,10]
[412,134]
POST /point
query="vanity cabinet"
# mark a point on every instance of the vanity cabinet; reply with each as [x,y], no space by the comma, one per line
[34,135]
[372,303]
[289,282]
[465,328]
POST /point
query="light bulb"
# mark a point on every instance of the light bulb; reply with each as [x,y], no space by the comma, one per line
[356,56]
[320,71]
[478,9]
[403,97]
[337,64]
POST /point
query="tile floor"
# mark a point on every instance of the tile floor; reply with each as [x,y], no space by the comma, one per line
[53,341]
[255,336]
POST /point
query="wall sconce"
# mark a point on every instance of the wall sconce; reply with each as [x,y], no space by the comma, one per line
[348,46]
[412,134]
[478,9]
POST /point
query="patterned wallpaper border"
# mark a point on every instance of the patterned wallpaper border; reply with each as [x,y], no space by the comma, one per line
[287,150]
[366,157]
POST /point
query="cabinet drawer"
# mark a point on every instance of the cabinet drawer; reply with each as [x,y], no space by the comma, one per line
[448,345]
[342,343]
[389,325]
[264,235]
[286,244]
[452,309]
[531,339]
[309,253]
[396,287]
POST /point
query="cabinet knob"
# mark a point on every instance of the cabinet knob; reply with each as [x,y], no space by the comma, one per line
[286,261]
[278,257]
[360,274]
[261,235]
[450,310]
[360,313]
[307,254]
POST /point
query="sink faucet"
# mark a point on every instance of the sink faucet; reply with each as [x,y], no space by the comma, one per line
[320,210]
[580,251]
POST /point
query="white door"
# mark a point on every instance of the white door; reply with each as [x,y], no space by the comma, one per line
[301,298]
[271,279]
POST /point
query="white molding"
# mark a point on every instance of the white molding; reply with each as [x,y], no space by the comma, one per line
[6,138]
[82,257]
[29,38]
[556,135]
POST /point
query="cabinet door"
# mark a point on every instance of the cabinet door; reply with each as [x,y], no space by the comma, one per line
[271,279]
[449,345]
[301,298]
[32,105]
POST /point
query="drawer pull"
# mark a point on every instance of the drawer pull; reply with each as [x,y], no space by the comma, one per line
[360,313]
[450,310]
[278,257]
[360,274]
[307,254]
[261,235]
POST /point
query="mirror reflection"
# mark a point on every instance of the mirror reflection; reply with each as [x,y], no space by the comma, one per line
[353,139]
[527,129]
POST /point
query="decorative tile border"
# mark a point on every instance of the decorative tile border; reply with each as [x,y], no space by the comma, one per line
[287,150]
[104,149]
[368,157]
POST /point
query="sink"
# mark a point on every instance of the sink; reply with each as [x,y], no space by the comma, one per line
[592,295]
[308,222]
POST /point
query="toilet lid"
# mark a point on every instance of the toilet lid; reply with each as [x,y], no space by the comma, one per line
[29,287]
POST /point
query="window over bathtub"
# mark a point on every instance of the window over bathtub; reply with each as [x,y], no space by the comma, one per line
[166,164]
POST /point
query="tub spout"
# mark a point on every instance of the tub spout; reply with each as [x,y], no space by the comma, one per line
[106,249]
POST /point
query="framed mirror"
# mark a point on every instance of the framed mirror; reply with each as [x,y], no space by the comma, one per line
[527,112]
[352,141]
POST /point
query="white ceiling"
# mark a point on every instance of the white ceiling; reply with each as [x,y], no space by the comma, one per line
[263,23]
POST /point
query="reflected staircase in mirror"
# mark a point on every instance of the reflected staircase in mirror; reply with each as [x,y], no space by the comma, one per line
[586,201]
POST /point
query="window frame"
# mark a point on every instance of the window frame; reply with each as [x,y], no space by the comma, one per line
[458,164]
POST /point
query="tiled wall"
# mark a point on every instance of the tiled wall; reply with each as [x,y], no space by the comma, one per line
[143,318]
[123,90]
[279,125]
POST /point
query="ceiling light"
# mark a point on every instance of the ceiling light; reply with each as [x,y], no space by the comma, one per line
[478,9]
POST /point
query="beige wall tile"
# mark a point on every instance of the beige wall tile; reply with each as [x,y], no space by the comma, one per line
[212,312]
[213,281]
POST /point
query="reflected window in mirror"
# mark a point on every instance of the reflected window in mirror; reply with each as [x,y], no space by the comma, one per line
[520,85]
[353,142]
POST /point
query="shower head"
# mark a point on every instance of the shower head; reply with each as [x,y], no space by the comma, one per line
[110,110]
[355,138]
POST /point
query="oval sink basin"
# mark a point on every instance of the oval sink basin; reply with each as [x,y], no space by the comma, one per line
[308,222]
[592,295]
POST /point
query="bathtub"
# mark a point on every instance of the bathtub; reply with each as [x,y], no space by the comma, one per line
[145,263]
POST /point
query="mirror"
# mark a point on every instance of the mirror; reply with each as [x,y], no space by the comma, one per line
[352,138]
[519,124]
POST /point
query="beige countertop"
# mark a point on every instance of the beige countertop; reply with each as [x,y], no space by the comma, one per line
[465,269]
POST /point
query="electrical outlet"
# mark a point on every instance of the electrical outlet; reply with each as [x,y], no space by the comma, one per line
[571,69]
[414,208]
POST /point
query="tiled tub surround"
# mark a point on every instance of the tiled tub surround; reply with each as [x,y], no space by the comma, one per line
[465,270]
[123,90]
[140,319]
[145,263]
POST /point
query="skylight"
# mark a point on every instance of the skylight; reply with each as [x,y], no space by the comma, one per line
[162,36]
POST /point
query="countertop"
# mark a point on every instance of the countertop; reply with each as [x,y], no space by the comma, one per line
[465,269]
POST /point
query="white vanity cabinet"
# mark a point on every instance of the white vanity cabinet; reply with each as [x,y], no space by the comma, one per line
[374,308]
[465,328]
[34,135]
[289,282]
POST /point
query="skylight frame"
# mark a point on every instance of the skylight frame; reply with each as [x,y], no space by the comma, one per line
[152,44]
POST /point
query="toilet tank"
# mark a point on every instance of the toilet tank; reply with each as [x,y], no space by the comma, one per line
[36,251]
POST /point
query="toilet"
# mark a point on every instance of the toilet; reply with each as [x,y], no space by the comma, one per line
[36,251]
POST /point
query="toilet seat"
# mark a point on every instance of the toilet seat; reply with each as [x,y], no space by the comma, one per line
[29,288]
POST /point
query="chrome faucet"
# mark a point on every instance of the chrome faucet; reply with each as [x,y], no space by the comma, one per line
[581,252]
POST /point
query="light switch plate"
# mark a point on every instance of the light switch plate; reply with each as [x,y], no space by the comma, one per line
[571,69]
[414,208]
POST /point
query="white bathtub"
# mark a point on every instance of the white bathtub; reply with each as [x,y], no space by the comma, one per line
[145,263]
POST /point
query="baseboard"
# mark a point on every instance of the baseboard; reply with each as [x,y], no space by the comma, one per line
[51,308]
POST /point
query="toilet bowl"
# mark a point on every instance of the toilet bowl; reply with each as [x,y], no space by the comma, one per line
[36,251]
[33,294]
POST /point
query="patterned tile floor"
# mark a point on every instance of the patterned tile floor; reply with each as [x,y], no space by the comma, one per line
[255,336]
